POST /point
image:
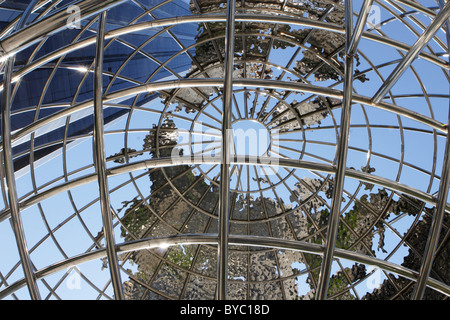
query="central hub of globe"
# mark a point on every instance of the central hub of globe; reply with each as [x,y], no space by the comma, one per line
[250,138]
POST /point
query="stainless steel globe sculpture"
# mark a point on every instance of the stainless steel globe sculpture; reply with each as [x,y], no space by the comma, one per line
[229,149]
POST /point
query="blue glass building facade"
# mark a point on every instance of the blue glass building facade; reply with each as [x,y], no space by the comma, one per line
[128,60]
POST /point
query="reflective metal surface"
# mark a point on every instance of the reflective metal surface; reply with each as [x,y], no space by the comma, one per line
[235,149]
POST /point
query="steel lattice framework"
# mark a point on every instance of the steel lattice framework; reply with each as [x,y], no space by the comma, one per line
[373,94]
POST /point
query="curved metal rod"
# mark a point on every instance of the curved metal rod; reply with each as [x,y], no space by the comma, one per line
[362,150]
[227,140]
[444,199]
[402,14]
[439,212]
[341,152]
[54,23]
[238,240]
[247,160]
[12,25]
[221,18]
[16,219]
[359,27]
[100,161]
[418,7]
[420,43]
[272,84]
